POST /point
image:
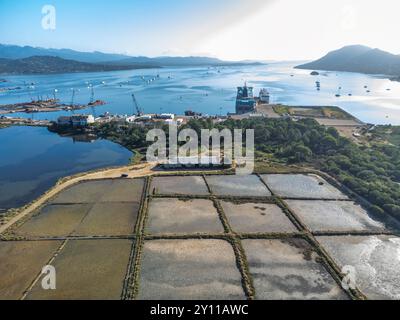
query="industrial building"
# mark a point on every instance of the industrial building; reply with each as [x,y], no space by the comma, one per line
[81,120]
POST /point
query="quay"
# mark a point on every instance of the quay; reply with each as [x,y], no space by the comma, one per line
[9,121]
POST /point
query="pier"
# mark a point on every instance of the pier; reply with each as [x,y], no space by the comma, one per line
[49,105]
[8,121]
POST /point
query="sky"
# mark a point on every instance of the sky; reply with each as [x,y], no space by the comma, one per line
[227,29]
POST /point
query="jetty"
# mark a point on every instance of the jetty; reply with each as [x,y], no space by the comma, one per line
[48,105]
[11,121]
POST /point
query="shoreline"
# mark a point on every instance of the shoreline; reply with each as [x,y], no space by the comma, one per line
[395,78]
[133,171]
[141,170]
[45,106]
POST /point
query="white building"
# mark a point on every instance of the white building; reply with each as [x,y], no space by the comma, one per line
[81,120]
[130,119]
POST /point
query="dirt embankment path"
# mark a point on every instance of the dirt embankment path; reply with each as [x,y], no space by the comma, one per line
[136,171]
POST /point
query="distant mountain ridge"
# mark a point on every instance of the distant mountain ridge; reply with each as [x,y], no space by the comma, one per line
[181,61]
[357,58]
[50,65]
[18,52]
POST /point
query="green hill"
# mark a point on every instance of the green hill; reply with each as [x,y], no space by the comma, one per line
[357,58]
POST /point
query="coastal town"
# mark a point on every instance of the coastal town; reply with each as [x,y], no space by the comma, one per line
[247,106]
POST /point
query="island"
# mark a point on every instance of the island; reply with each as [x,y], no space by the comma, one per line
[50,65]
[357,58]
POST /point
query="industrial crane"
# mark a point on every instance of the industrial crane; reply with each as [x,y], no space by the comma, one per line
[91,94]
[73,97]
[139,111]
[91,103]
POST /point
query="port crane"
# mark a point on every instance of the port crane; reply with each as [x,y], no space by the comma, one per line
[91,102]
[73,97]
[139,111]
[72,100]
[91,94]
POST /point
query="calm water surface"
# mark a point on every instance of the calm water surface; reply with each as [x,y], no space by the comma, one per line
[213,90]
[33,159]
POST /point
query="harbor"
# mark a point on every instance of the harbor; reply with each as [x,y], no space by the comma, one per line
[10,121]
[48,105]
[209,92]
[247,106]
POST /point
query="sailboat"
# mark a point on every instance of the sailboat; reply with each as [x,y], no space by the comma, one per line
[338,95]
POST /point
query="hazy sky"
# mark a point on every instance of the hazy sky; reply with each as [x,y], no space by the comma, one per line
[228,29]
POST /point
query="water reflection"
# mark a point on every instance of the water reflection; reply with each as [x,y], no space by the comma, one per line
[33,159]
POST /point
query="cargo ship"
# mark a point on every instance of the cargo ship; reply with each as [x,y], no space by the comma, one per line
[264,96]
[245,101]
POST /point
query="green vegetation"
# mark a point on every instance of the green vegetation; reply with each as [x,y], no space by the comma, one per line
[387,134]
[336,113]
[51,64]
[372,171]
[357,58]
[281,110]
[132,137]
[313,112]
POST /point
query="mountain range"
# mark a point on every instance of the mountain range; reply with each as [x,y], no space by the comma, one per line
[358,58]
[50,64]
[25,60]
[180,61]
[19,52]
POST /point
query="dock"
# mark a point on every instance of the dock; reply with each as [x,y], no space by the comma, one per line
[9,121]
[49,105]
